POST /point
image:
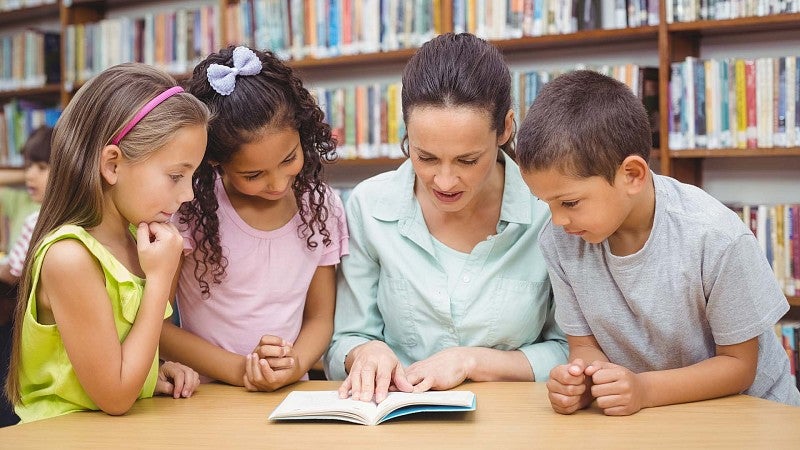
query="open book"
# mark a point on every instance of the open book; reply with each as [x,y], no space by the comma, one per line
[326,405]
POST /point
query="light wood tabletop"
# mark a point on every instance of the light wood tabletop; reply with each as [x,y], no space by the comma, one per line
[508,416]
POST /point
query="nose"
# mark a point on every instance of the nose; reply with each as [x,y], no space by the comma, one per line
[445,179]
[276,183]
[187,193]
[31,172]
[560,219]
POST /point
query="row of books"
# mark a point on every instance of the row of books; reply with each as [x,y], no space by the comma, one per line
[10,5]
[777,228]
[692,10]
[788,332]
[174,41]
[735,103]
[643,81]
[367,120]
[17,120]
[368,123]
[517,18]
[296,29]
[29,59]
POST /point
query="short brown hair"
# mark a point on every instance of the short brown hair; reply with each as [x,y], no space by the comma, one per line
[37,147]
[584,124]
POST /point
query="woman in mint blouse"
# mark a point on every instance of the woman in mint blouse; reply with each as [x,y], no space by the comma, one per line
[445,281]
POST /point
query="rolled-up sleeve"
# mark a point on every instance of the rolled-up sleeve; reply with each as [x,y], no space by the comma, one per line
[549,350]
[357,319]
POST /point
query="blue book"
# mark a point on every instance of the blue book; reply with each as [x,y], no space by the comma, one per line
[326,405]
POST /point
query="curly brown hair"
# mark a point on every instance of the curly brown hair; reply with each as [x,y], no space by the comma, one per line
[273,98]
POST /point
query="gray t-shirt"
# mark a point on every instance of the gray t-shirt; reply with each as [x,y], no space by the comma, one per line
[700,280]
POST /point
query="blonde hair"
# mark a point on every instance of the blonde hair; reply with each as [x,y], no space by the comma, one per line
[74,193]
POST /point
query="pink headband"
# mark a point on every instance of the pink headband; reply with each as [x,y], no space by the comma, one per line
[145,110]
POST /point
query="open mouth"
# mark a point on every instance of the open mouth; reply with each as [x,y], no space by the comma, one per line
[446,197]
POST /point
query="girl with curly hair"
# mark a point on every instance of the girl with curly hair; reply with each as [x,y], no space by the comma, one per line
[257,287]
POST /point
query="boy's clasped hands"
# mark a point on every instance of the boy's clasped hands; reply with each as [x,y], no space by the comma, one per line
[573,386]
[271,364]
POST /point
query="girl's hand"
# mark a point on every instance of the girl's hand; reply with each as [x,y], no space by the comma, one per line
[375,367]
[177,380]
[444,370]
[569,388]
[617,389]
[159,246]
[278,353]
[259,376]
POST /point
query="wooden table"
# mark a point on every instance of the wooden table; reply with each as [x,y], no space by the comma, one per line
[509,416]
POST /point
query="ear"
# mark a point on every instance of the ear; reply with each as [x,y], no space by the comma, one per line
[633,173]
[110,160]
[508,128]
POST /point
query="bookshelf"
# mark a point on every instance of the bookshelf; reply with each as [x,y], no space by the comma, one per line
[669,42]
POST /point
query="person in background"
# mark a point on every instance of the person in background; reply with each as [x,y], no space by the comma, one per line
[37,168]
[663,292]
[444,281]
[97,278]
[257,285]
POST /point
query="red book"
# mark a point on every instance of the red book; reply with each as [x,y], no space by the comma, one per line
[750,94]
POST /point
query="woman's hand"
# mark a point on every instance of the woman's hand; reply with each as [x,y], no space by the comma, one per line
[443,370]
[177,380]
[374,369]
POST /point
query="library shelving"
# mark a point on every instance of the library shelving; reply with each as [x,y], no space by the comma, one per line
[672,41]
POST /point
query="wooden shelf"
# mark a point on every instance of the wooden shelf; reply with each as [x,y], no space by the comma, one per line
[50,90]
[734,152]
[361,59]
[179,77]
[584,38]
[365,162]
[509,46]
[793,300]
[777,22]
[16,16]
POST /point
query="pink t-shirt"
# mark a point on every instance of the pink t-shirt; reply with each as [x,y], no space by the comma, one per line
[266,280]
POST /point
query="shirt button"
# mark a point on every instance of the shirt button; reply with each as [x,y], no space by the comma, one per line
[452,330]
[465,278]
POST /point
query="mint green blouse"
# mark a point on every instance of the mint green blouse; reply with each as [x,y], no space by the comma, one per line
[49,385]
[395,286]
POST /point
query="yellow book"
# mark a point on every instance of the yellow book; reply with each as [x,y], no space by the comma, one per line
[437,16]
[391,113]
[741,106]
[80,52]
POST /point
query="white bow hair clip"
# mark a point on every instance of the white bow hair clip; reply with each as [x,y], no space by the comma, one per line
[223,78]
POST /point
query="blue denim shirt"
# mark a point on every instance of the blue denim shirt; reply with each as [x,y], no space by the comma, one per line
[392,288]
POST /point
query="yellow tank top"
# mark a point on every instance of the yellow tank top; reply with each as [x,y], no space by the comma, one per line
[48,384]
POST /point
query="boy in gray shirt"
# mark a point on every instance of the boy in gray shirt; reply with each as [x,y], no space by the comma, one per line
[663,292]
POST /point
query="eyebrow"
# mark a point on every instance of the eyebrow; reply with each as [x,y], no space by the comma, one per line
[464,155]
[184,165]
[560,197]
[293,149]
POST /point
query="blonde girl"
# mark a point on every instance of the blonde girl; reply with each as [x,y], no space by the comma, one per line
[94,290]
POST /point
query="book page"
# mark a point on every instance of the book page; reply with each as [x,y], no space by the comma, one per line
[396,400]
[327,405]
[324,405]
